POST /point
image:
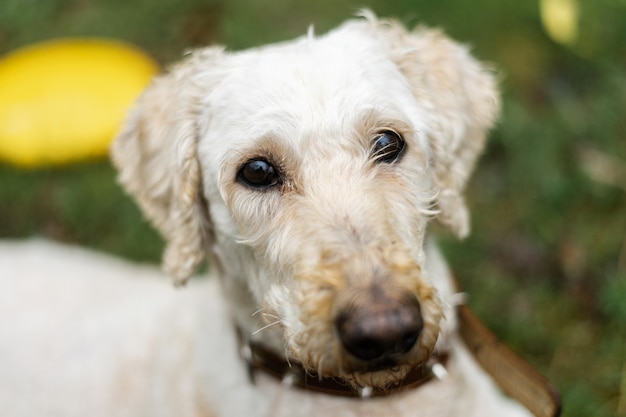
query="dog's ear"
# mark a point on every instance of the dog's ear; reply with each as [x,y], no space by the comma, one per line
[462,99]
[156,155]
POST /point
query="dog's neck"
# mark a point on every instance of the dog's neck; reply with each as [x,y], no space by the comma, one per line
[244,311]
[235,281]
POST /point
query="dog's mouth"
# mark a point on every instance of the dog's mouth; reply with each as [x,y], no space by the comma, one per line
[375,378]
[385,371]
[387,375]
[382,364]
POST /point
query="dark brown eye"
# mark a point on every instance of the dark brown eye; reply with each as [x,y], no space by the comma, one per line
[388,146]
[258,173]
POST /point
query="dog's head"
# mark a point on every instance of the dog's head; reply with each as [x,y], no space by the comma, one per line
[309,170]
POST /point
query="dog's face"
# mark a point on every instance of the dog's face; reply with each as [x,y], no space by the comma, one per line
[310,170]
[322,167]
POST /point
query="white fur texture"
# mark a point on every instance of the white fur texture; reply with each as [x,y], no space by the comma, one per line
[85,334]
[337,228]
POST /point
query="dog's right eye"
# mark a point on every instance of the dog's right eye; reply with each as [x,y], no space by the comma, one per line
[388,147]
[258,173]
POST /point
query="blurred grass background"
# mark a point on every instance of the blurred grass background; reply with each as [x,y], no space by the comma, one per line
[546,262]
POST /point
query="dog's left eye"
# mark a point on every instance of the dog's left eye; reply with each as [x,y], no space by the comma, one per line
[258,173]
[388,146]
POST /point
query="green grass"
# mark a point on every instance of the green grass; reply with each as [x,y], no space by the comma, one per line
[546,263]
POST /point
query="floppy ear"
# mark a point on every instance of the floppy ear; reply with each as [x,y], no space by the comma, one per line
[156,155]
[461,97]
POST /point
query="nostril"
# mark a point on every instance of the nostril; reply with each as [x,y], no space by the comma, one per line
[380,329]
[409,339]
[366,348]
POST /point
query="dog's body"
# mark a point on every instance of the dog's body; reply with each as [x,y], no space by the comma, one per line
[85,334]
[307,171]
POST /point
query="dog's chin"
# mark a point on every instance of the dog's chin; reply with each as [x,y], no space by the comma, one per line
[377,377]
[377,374]
[381,373]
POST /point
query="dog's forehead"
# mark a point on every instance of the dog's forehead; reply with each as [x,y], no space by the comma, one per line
[310,92]
[307,85]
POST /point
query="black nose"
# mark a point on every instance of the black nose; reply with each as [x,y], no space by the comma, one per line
[380,329]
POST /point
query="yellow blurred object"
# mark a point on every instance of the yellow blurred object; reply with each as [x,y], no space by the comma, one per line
[560,19]
[64,100]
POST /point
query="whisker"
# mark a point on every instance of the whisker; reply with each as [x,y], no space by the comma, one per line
[271,316]
[258,311]
[265,327]
[287,358]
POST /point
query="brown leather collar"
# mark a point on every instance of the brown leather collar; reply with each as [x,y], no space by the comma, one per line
[512,374]
[292,373]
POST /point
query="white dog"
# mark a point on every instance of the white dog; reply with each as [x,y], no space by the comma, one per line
[308,172]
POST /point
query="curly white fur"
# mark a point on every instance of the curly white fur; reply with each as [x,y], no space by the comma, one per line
[291,257]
